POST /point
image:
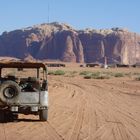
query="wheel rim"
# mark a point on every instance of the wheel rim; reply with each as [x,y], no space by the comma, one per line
[9,92]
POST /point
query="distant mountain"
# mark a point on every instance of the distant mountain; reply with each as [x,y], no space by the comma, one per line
[59,41]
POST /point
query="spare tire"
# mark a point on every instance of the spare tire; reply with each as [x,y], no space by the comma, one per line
[8,91]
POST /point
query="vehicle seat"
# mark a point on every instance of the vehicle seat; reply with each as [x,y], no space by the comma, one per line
[34,83]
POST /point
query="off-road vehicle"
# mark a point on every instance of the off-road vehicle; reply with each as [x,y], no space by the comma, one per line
[23,89]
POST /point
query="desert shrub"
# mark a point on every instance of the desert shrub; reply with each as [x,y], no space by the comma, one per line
[85,72]
[108,73]
[51,72]
[103,76]
[90,75]
[100,76]
[87,77]
[59,72]
[137,78]
[136,73]
[96,75]
[118,75]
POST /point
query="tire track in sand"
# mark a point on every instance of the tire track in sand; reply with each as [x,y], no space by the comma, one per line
[28,130]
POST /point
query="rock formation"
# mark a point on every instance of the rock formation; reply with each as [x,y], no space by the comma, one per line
[59,41]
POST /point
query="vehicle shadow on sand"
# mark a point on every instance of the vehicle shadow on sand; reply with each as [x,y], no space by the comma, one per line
[20,120]
[26,120]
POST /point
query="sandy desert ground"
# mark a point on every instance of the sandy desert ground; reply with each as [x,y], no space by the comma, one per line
[84,109]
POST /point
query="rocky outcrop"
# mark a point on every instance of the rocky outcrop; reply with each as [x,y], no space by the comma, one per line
[61,42]
[64,45]
[117,45]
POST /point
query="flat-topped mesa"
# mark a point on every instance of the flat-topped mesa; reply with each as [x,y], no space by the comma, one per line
[117,44]
[104,31]
[60,41]
[50,27]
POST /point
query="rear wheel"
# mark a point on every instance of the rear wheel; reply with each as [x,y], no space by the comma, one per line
[43,115]
[7,116]
[2,116]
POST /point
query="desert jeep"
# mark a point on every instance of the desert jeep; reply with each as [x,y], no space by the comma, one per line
[24,93]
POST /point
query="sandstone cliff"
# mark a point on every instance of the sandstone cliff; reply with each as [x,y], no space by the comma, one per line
[61,42]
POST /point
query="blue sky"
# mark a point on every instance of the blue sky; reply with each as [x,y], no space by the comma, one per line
[80,14]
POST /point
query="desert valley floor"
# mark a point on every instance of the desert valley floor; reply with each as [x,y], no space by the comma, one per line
[84,109]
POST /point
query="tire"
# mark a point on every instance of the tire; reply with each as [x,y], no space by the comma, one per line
[2,116]
[8,91]
[43,115]
[9,117]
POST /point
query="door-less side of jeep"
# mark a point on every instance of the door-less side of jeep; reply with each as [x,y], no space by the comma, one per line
[26,92]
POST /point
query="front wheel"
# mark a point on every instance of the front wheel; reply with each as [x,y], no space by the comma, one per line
[43,115]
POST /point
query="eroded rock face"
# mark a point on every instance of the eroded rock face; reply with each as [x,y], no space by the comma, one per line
[93,46]
[64,45]
[117,45]
[61,42]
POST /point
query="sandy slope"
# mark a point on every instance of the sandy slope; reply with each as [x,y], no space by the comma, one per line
[83,109]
